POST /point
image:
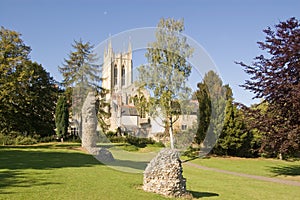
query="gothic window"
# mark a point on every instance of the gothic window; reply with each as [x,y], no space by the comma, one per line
[115,75]
[74,131]
[123,75]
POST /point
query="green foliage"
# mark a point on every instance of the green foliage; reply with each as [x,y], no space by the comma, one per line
[117,139]
[139,142]
[191,152]
[157,144]
[167,72]
[17,139]
[102,109]
[131,140]
[82,75]
[211,95]
[110,134]
[220,118]
[141,103]
[62,117]
[130,148]
[204,112]
[80,67]
[21,140]
[6,139]
[235,139]
[27,92]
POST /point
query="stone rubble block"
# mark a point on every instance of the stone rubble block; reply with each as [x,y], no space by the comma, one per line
[163,175]
[101,154]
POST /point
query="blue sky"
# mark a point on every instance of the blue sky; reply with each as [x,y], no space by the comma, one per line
[228,30]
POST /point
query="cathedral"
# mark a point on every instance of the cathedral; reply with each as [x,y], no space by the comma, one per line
[126,117]
[117,78]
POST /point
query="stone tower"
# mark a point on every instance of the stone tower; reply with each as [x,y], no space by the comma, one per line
[117,78]
[117,70]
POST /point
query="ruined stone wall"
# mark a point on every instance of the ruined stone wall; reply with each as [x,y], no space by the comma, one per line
[163,175]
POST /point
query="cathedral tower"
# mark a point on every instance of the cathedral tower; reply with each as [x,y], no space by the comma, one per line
[117,70]
[117,79]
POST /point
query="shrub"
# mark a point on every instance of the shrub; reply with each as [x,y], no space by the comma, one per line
[139,142]
[191,152]
[12,139]
[130,148]
[117,139]
[158,144]
[46,139]
[111,134]
[6,139]
[22,140]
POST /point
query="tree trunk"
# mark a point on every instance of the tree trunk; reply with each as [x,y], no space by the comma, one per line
[171,133]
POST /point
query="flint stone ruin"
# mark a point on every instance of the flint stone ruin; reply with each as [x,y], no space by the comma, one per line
[163,175]
[89,130]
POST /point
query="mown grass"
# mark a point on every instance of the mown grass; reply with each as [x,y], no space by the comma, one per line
[212,185]
[59,171]
[260,166]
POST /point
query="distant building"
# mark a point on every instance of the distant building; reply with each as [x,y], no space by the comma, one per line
[117,78]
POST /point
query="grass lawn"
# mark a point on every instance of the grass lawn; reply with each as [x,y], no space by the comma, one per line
[263,167]
[54,171]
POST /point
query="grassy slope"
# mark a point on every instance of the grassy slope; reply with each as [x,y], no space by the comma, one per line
[56,172]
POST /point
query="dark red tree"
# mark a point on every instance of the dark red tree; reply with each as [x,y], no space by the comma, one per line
[275,77]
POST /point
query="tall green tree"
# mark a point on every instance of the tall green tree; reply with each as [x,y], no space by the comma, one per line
[275,77]
[62,117]
[235,140]
[82,74]
[167,72]
[204,112]
[27,92]
[80,67]
[211,95]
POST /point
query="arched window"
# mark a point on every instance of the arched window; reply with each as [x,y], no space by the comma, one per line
[115,75]
[123,75]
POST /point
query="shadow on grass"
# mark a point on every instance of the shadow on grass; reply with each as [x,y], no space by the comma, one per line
[16,178]
[43,159]
[199,195]
[14,160]
[138,165]
[293,170]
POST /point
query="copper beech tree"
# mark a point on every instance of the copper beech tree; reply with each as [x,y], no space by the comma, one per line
[275,77]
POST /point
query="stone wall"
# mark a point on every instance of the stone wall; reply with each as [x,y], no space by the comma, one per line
[163,175]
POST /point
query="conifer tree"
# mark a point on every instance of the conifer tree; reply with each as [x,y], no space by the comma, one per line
[82,74]
[62,117]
